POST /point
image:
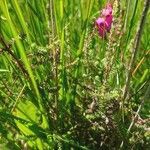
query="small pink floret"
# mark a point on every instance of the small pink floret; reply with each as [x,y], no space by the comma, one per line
[100,21]
[106,12]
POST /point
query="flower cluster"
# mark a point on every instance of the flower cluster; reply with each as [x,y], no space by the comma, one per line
[104,22]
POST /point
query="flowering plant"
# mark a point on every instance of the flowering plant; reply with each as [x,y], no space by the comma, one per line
[104,22]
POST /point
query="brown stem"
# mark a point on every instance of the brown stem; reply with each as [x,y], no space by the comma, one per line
[7,48]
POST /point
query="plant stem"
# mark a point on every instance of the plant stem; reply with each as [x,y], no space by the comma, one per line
[133,57]
[135,48]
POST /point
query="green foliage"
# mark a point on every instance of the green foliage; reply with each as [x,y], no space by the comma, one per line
[61,85]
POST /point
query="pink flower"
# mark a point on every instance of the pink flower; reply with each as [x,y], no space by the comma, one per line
[104,22]
[108,21]
[101,25]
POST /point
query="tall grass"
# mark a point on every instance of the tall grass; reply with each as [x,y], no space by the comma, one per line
[64,87]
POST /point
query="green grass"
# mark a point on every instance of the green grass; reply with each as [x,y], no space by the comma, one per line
[64,87]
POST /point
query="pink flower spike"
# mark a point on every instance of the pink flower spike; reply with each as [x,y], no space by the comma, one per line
[104,22]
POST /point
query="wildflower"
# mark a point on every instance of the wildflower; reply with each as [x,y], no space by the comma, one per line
[104,22]
[101,25]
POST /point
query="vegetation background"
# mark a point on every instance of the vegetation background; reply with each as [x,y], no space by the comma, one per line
[64,87]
